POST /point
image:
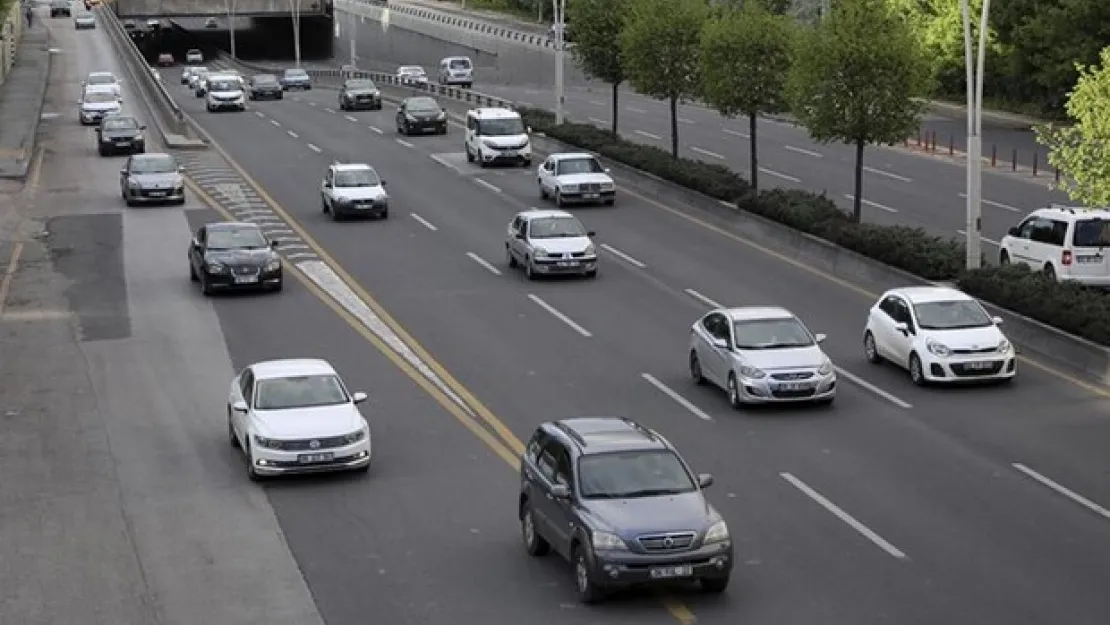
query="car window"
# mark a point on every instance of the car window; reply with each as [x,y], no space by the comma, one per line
[951,315]
[555,228]
[546,464]
[421,104]
[236,238]
[1047,231]
[101,79]
[153,165]
[1025,230]
[557,462]
[535,444]
[305,391]
[264,79]
[1091,233]
[246,385]
[771,334]
[585,165]
[630,474]
[889,306]
[345,178]
[120,123]
[500,127]
[903,314]
[99,97]
[459,64]
[360,83]
[224,84]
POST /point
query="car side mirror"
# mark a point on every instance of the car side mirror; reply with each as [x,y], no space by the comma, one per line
[1015,231]
[820,338]
[719,343]
[560,491]
[383,183]
[705,480]
[196,244]
[528,130]
[902,327]
[239,406]
[591,233]
[274,244]
[142,127]
[123,172]
[997,320]
[359,397]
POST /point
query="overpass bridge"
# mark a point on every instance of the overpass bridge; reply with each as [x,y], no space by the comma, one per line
[171,9]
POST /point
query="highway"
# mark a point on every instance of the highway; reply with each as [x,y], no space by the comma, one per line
[894,505]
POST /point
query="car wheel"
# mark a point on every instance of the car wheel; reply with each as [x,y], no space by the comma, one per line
[529,272]
[469,155]
[590,275]
[251,472]
[279,286]
[102,151]
[205,286]
[584,585]
[695,369]
[385,214]
[335,216]
[870,350]
[324,204]
[714,585]
[510,258]
[559,199]
[1049,273]
[917,374]
[610,202]
[281,96]
[534,544]
[734,392]
[1003,258]
[543,192]
[232,439]
[193,273]
[401,130]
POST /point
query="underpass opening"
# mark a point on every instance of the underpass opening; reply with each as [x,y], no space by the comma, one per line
[256,38]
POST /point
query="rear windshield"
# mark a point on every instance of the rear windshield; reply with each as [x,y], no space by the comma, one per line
[1091,233]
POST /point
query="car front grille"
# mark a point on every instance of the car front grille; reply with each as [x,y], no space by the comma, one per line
[792,376]
[983,350]
[590,186]
[244,270]
[963,370]
[793,394]
[562,256]
[307,444]
[677,541]
[507,148]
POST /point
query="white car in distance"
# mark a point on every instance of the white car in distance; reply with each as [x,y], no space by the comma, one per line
[296,416]
[761,355]
[412,75]
[938,334]
[576,177]
[548,243]
[103,80]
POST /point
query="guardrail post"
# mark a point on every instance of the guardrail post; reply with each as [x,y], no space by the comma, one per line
[1035,156]
[1013,161]
[994,154]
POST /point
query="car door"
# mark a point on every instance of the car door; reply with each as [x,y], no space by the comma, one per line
[717,360]
[558,513]
[545,172]
[244,392]
[882,325]
[522,249]
[196,250]
[901,343]
[1021,245]
[326,186]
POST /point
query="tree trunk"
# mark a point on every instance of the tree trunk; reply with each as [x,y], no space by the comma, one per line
[674,127]
[616,107]
[752,123]
[857,201]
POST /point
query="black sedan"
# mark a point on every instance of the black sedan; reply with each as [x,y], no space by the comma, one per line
[265,87]
[360,93]
[234,255]
[120,134]
[421,114]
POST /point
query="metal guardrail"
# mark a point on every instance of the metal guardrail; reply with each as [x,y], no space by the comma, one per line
[448,19]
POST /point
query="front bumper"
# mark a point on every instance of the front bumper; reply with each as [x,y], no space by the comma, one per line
[458,80]
[236,280]
[620,568]
[268,94]
[294,86]
[432,125]
[767,390]
[374,209]
[274,462]
[364,102]
[238,104]
[565,266]
[969,368]
[128,146]
[589,196]
[168,196]
[494,156]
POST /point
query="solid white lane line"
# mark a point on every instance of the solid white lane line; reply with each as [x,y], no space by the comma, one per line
[702,298]
[1005,207]
[312,104]
[779,174]
[648,135]
[683,120]
[260,113]
[874,389]
[884,207]
[737,133]
[487,185]
[403,142]
[375,129]
[888,174]
[599,121]
[484,263]
[327,110]
[597,103]
[634,109]
[275,122]
[313,147]
[423,222]
[351,118]
[981,238]
[803,151]
[621,255]
[292,134]
[559,315]
[695,148]
[678,399]
[1076,497]
[843,516]
[439,159]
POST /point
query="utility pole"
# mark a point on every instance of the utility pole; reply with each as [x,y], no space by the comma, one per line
[295,17]
[231,27]
[975,69]
[559,8]
[351,35]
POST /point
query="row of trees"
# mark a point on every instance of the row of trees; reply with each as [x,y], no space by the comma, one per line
[854,77]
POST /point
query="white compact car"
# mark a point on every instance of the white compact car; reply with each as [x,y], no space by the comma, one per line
[761,355]
[1063,243]
[97,103]
[550,243]
[412,75]
[296,416]
[103,80]
[225,92]
[353,190]
[576,178]
[194,57]
[495,136]
[456,70]
[938,334]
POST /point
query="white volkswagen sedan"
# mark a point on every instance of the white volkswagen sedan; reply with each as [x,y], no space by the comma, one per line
[761,355]
[938,334]
[103,80]
[296,416]
[576,178]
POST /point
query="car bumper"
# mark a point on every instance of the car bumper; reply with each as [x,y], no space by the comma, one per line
[271,462]
[229,105]
[767,391]
[171,197]
[377,209]
[576,266]
[243,282]
[968,369]
[125,147]
[293,86]
[429,126]
[458,80]
[615,569]
[269,94]
[588,197]
[367,103]
[518,157]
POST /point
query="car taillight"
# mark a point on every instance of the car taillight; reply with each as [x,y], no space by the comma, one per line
[1065,258]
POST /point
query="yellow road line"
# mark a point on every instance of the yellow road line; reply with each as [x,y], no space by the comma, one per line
[9,273]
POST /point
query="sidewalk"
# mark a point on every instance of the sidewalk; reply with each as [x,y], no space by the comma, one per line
[21,98]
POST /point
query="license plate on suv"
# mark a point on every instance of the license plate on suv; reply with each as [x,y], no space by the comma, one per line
[672,572]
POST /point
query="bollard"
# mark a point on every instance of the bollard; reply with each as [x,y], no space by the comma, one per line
[1013,161]
[1057,174]
[951,145]
[994,155]
[919,137]
[1035,155]
[934,141]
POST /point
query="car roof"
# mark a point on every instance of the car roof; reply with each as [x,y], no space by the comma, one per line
[231,225]
[541,214]
[926,294]
[91,74]
[289,367]
[1068,213]
[351,166]
[598,435]
[749,313]
[495,113]
[100,89]
[572,156]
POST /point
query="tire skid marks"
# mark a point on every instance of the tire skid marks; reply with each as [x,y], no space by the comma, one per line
[209,172]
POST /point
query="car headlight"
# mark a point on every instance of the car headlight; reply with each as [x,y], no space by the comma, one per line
[134,185]
[539,252]
[488,144]
[826,368]
[268,443]
[409,117]
[273,265]
[139,137]
[214,267]
[607,186]
[442,116]
[937,349]
[717,533]
[590,250]
[1004,346]
[606,541]
[568,187]
[354,437]
[752,372]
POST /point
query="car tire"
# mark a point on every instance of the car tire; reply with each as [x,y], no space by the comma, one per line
[559,203]
[193,277]
[342,105]
[733,390]
[610,202]
[232,439]
[870,350]
[591,275]
[335,216]
[510,258]
[401,129]
[385,214]
[101,151]
[141,150]
[714,585]
[917,373]
[280,96]
[695,369]
[1049,272]
[534,544]
[584,587]
[324,205]
[279,287]
[1003,258]
[469,154]
[543,192]
[205,287]
[253,475]
[529,271]
[128,201]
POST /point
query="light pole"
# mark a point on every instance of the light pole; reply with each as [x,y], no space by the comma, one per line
[231,26]
[295,17]
[351,34]
[559,8]
[975,68]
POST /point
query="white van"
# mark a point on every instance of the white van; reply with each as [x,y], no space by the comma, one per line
[225,91]
[456,70]
[495,136]
[1064,243]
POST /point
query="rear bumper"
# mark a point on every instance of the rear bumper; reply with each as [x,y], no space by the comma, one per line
[169,198]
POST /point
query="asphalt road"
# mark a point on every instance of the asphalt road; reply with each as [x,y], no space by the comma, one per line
[927,476]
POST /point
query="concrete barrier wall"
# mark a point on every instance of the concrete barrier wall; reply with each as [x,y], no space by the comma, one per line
[216,8]
[11,33]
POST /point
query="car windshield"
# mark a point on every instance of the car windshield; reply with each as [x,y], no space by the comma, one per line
[1092,233]
[120,123]
[357,178]
[225,84]
[952,315]
[236,238]
[153,165]
[305,391]
[459,64]
[630,474]
[264,79]
[200,72]
[501,127]
[99,97]
[422,104]
[360,84]
[296,73]
[771,334]
[101,79]
[556,228]
[585,165]
[411,70]
[193,52]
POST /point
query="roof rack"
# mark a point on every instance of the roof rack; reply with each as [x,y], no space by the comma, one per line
[639,428]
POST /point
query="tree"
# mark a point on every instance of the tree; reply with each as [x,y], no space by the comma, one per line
[660,45]
[746,55]
[856,77]
[597,44]
[1082,152]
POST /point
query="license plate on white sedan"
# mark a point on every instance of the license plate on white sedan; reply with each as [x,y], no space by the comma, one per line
[591,196]
[246,279]
[672,572]
[157,194]
[979,366]
[568,263]
[310,458]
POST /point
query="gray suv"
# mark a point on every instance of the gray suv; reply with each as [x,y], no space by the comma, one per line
[616,500]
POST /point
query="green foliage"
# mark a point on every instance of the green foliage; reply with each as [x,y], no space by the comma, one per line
[940,28]
[597,44]
[661,47]
[1082,152]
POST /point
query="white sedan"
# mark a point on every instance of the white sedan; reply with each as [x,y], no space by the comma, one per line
[938,334]
[296,416]
[576,178]
[412,75]
[102,80]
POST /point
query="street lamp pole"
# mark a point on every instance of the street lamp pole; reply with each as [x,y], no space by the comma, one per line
[975,70]
[559,8]
[295,17]
[351,35]
[231,26]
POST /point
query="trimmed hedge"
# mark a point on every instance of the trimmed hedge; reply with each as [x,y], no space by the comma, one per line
[1067,306]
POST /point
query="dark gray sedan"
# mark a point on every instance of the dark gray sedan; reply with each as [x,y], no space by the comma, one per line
[234,255]
[265,87]
[152,179]
[120,134]
[421,114]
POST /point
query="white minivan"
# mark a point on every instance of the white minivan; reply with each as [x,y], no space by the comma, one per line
[225,92]
[456,70]
[1064,243]
[495,136]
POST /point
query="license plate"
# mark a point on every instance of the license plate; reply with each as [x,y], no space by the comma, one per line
[310,458]
[591,196]
[671,572]
[157,194]
[123,143]
[979,366]
[794,386]
[568,263]
[1088,259]
[246,279]
[508,153]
